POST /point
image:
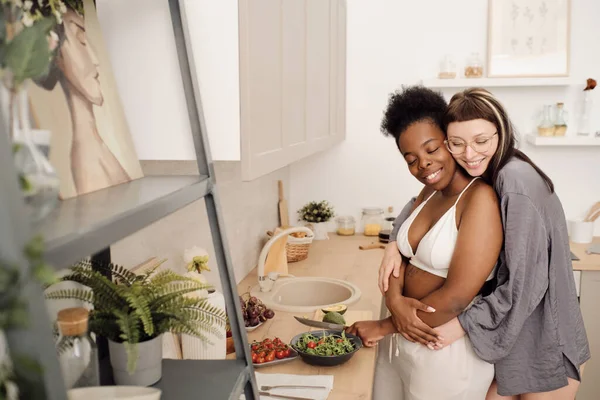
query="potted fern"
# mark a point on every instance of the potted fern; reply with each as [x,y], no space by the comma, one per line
[133,310]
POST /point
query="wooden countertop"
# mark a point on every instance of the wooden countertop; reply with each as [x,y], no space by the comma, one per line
[338,257]
[587,262]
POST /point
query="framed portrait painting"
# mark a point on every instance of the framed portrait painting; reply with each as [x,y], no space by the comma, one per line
[91,147]
[528,38]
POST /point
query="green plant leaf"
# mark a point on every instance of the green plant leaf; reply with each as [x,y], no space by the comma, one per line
[27,54]
[139,304]
[77,294]
[130,337]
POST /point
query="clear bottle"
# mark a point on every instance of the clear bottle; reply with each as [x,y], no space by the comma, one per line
[585,110]
[372,220]
[39,182]
[560,121]
[546,125]
[77,351]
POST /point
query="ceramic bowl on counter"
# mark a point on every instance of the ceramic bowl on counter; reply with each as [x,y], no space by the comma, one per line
[114,393]
[325,360]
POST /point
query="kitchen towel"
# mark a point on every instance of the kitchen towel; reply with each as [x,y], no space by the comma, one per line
[289,379]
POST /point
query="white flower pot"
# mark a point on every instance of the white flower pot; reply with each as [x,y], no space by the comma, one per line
[148,369]
[320,230]
[194,348]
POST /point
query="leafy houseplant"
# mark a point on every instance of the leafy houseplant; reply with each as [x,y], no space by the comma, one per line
[28,45]
[132,309]
[19,374]
[316,214]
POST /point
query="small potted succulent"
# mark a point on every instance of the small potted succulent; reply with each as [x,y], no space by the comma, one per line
[316,215]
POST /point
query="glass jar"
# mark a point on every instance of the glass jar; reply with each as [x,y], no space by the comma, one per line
[77,351]
[560,121]
[345,226]
[474,67]
[546,125]
[372,220]
[447,68]
[37,178]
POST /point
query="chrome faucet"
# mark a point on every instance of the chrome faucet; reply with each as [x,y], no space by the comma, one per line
[266,282]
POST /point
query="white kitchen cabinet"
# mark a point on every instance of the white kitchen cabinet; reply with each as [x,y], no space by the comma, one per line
[292,81]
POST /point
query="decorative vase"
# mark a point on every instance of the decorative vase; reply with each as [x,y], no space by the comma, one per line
[319,229]
[148,369]
[38,180]
[585,118]
[195,348]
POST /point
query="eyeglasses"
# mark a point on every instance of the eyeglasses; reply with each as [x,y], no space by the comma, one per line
[479,145]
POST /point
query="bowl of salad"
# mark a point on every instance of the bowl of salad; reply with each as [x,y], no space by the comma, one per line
[326,347]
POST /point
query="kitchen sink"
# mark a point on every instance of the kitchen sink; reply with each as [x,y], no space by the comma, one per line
[307,294]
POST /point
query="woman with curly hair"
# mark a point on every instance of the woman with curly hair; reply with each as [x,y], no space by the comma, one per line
[452,237]
[530,326]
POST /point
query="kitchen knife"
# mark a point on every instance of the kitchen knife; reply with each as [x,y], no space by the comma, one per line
[319,324]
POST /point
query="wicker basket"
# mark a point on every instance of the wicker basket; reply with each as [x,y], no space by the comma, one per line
[296,249]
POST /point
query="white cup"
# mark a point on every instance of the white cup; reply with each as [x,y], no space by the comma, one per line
[582,231]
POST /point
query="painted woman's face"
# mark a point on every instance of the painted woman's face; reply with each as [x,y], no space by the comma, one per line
[78,61]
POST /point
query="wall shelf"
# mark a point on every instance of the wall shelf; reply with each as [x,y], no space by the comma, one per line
[499,82]
[86,224]
[581,141]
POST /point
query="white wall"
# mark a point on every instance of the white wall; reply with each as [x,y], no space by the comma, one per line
[139,38]
[394,42]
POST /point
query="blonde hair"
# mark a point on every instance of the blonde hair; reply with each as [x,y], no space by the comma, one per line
[478,103]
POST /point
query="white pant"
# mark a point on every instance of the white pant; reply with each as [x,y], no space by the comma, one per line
[417,373]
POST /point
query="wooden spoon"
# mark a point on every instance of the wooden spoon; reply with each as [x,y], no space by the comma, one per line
[371,246]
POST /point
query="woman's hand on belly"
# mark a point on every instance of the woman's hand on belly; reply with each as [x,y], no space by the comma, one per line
[408,324]
[451,331]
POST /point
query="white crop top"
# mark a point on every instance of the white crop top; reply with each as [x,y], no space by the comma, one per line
[435,250]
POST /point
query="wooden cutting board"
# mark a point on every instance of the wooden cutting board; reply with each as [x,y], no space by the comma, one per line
[284,217]
[351,316]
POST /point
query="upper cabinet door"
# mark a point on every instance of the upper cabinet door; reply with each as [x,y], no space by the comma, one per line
[292,80]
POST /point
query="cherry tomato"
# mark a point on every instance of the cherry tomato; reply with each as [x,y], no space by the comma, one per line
[280,354]
[254,346]
[260,360]
[270,356]
[254,357]
[311,345]
[261,354]
[339,340]
[287,352]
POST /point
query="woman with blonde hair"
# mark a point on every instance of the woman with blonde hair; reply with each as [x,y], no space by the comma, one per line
[530,327]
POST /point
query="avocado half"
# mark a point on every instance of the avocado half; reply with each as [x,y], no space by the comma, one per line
[338,308]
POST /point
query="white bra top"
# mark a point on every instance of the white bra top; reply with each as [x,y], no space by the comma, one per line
[435,250]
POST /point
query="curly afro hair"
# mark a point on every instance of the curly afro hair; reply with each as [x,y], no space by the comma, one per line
[410,105]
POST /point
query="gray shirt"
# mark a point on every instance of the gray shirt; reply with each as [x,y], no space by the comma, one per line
[532,320]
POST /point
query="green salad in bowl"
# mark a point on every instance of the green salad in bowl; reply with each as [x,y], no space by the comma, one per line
[326,347]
